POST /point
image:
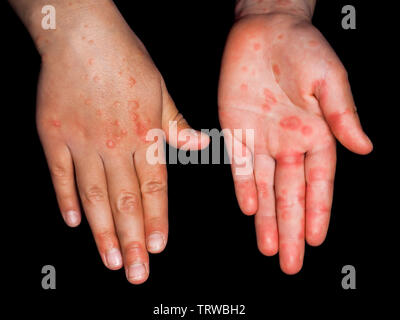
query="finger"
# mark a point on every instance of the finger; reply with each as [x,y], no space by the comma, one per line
[124,194]
[93,192]
[320,171]
[337,104]
[153,187]
[241,160]
[178,132]
[265,219]
[62,174]
[290,193]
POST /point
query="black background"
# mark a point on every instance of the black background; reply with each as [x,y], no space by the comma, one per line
[211,257]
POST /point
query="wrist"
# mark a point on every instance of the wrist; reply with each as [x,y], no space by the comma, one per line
[72,17]
[301,8]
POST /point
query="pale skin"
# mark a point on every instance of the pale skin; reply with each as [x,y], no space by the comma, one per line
[280,77]
[99,93]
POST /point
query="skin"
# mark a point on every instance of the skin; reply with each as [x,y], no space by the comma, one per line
[98,94]
[280,77]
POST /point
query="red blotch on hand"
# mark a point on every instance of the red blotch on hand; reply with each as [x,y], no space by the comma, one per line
[56,123]
[116,104]
[290,123]
[133,104]
[132,82]
[110,144]
[244,87]
[88,102]
[280,36]
[257,46]
[318,174]
[276,71]
[90,61]
[96,78]
[291,159]
[306,130]
[313,43]
[245,69]
[269,96]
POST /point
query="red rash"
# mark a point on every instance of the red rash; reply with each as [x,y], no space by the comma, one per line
[257,46]
[90,61]
[290,159]
[243,87]
[132,82]
[133,104]
[262,188]
[88,102]
[306,130]
[280,37]
[56,123]
[317,174]
[269,96]
[116,104]
[244,69]
[110,144]
[290,123]
[276,70]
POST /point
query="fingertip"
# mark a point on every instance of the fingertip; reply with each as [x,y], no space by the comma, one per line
[291,258]
[249,206]
[156,242]
[268,246]
[72,218]
[315,239]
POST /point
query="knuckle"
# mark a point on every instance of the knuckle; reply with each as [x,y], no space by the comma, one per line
[153,186]
[93,195]
[127,202]
[58,171]
[104,237]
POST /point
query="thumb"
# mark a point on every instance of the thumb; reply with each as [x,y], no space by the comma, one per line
[177,131]
[337,104]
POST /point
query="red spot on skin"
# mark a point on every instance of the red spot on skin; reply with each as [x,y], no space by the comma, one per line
[116,123]
[266,107]
[141,129]
[116,104]
[133,104]
[83,38]
[110,144]
[88,102]
[91,42]
[318,174]
[124,132]
[292,159]
[290,123]
[269,96]
[276,70]
[86,26]
[280,36]
[257,46]
[90,61]
[312,43]
[120,73]
[134,116]
[132,82]
[96,78]
[284,3]
[56,123]
[243,87]
[99,112]
[245,69]
[306,130]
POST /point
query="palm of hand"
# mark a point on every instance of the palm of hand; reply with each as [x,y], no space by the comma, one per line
[281,78]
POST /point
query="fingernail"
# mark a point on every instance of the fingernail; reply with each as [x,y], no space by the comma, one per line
[72,218]
[155,242]
[114,258]
[137,271]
